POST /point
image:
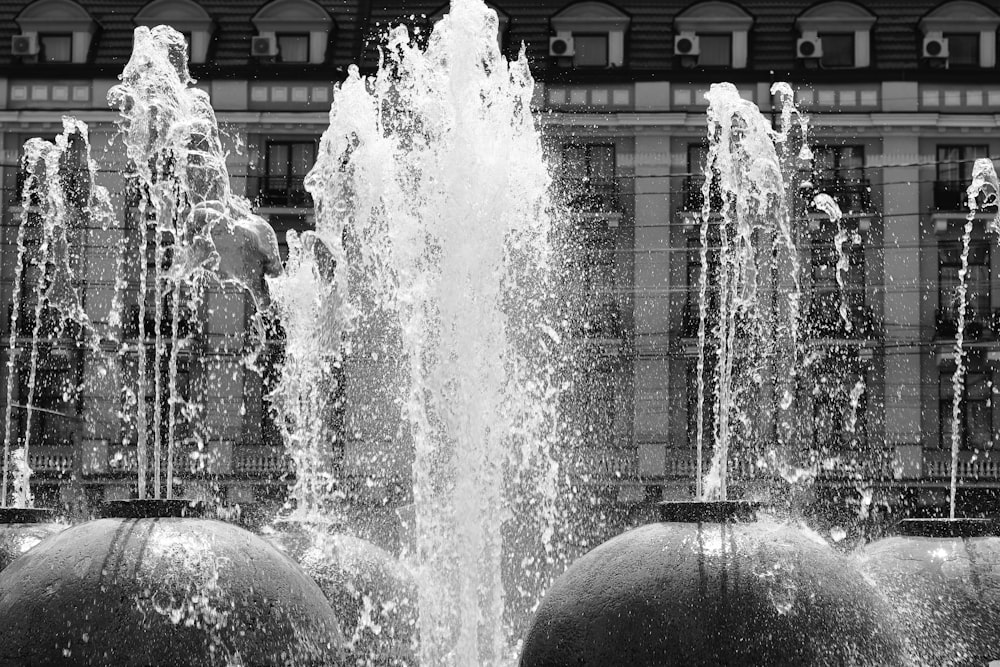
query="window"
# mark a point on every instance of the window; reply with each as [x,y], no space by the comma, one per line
[55,394]
[954,173]
[286,166]
[598,32]
[301,29]
[590,50]
[839,172]
[844,31]
[186,17]
[975,420]
[838,49]
[293,48]
[63,29]
[722,30]
[716,50]
[963,49]
[838,401]
[589,176]
[826,320]
[977,311]
[971,31]
[55,48]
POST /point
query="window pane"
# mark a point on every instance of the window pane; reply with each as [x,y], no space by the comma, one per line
[293,48]
[574,162]
[277,159]
[602,164]
[716,50]
[963,49]
[838,49]
[56,48]
[590,50]
[303,158]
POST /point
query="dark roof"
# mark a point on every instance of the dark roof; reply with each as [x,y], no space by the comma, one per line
[648,50]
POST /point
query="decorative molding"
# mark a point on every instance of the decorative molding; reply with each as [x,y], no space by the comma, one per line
[60,16]
[302,16]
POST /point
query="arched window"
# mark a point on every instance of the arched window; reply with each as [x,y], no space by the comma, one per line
[298,31]
[960,34]
[589,34]
[835,35]
[186,17]
[712,34]
[57,31]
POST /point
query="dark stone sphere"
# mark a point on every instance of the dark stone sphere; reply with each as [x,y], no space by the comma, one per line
[761,593]
[18,538]
[944,580]
[162,591]
[372,593]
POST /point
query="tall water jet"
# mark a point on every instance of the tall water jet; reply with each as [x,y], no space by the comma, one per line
[207,244]
[433,171]
[753,340]
[58,200]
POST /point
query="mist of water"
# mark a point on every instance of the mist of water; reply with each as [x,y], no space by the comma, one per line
[433,171]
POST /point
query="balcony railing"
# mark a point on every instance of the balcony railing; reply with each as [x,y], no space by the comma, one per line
[979,325]
[824,319]
[590,196]
[604,321]
[284,192]
[951,196]
[853,197]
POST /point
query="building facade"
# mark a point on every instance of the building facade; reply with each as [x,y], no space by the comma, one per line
[902,100]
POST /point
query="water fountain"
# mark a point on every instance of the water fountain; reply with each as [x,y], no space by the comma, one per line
[151,582]
[433,222]
[718,581]
[944,570]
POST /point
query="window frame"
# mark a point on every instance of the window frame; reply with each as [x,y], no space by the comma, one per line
[292,198]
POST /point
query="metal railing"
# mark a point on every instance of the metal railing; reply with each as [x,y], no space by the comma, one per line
[283,192]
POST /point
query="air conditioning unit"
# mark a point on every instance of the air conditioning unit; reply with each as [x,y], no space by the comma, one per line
[809,46]
[561,45]
[263,46]
[24,45]
[686,44]
[935,46]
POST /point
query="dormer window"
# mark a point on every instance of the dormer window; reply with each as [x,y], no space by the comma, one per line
[963,49]
[55,48]
[589,35]
[960,34]
[187,18]
[293,47]
[55,31]
[835,35]
[294,31]
[712,34]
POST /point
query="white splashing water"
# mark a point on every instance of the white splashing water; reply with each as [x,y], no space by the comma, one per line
[756,331]
[172,140]
[58,200]
[984,183]
[827,205]
[434,168]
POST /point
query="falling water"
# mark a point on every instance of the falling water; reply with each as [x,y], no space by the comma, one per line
[829,206]
[58,198]
[434,170]
[172,140]
[984,182]
[755,340]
